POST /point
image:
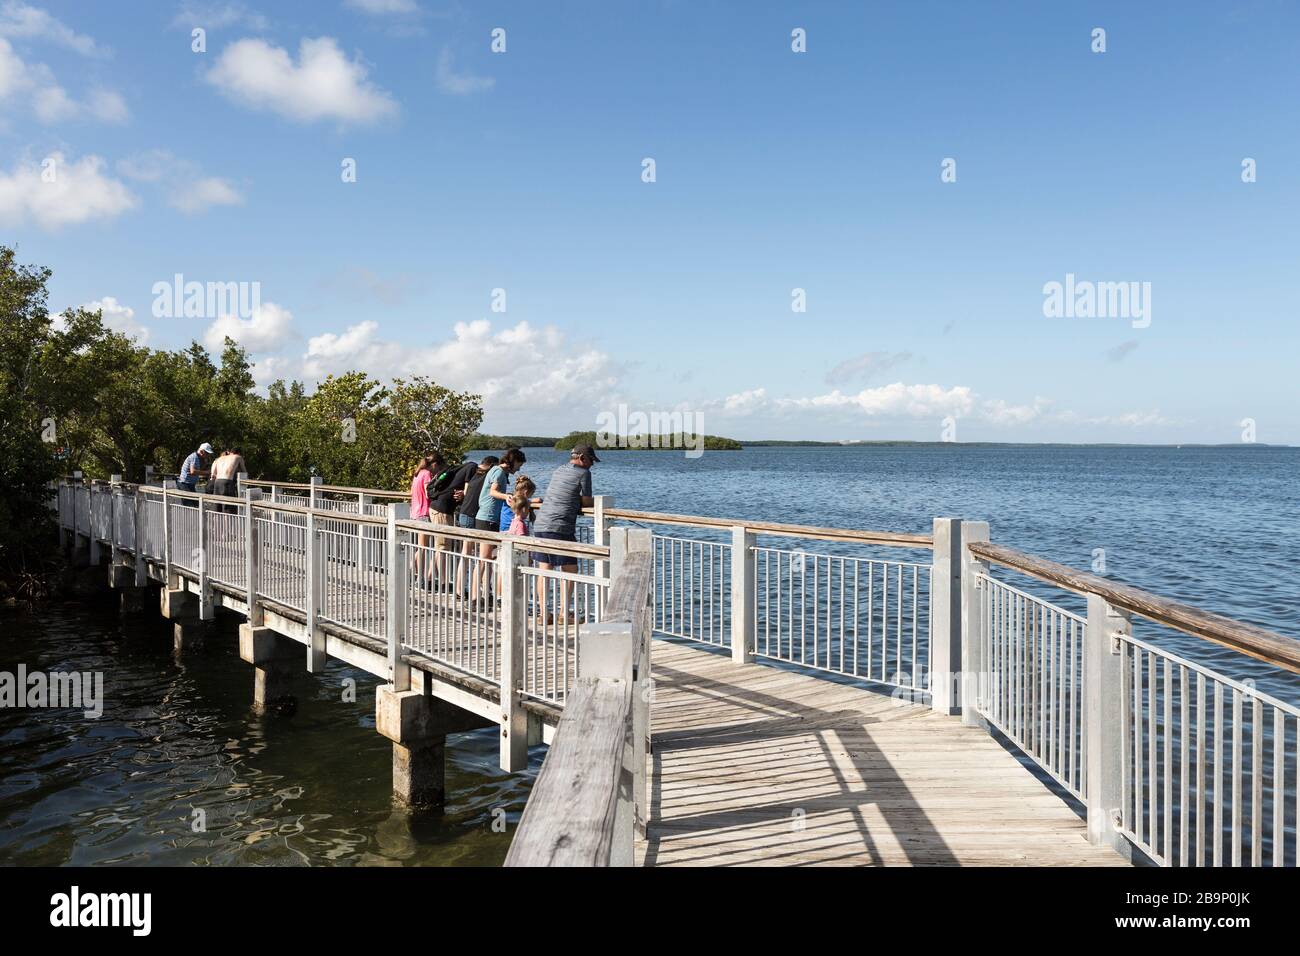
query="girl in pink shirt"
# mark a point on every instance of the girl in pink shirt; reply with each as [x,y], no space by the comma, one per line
[421,568]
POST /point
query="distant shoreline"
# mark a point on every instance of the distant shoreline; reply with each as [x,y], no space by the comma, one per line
[551,443]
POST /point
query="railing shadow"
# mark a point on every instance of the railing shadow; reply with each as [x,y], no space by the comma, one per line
[834,730]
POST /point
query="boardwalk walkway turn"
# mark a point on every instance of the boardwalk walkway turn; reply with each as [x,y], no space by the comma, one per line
[754,764]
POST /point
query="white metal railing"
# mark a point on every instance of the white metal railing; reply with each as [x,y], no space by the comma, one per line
[1033,692]
[692,589]
[1185,763]
[557,604]
[1170,757]
[1206,764]
[852,616]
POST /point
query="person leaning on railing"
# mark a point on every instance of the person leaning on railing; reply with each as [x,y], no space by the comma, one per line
[225,472]
[469,495]
[194,467]
[568,492]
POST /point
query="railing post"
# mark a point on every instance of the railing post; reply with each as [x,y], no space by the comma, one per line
[600,530]
[1102,703]
[148,474]
[399,672]
[169,576]
[240,479]
[742,594]
[205,584]
[315,558]
[314,481]
[972,623]
[141,573]
[114,492]
[514,598]
[945,617]
[90,527]
[252,559]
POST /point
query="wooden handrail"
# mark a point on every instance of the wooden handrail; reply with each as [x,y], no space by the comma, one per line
[580,811]
[888,538]
[1256,642]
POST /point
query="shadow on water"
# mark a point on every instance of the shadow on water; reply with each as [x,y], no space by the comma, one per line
[180,771]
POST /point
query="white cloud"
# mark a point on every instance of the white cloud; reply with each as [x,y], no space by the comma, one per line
[324,84]
[896,401]
[267,329]
[80,192]
[20,20]
[459,84]
[383,7]
[900,404]
[520,367]
[119,318]
[50,102]
[187,189]
[203,194]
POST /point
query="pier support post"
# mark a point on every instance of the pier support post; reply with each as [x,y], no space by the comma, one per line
[514,599]
[1102,704]
[273,656]
[972,634]
[945,618]
[181,607]
[418,724]
[743,568]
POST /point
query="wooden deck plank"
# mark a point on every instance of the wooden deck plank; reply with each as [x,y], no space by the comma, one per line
[760,765]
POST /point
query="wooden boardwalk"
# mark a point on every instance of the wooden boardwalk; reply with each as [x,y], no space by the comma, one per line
[758,765]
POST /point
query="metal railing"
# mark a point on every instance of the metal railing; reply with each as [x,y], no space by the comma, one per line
[1169,757]
[1033,691]
[851,616]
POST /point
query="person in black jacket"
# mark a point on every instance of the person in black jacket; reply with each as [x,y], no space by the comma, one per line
[468,508]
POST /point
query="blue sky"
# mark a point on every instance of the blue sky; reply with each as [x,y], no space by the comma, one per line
[775,170]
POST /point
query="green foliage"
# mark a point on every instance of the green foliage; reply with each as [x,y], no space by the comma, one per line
[676,442]
[76,395]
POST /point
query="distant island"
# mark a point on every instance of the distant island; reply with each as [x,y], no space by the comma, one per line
[480,440]
[675,442]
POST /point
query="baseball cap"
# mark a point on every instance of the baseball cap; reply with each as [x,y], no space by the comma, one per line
[206,448]
[581,451]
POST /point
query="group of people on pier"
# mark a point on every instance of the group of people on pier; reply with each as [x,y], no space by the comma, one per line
[472,494]
[478,495]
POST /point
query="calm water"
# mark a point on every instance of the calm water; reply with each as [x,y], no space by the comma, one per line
[1219,528]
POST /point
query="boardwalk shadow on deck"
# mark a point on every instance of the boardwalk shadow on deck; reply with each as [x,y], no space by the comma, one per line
[778,718]
[760,764]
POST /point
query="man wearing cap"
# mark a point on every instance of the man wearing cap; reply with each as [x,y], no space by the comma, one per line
[194,468]
[567,494]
